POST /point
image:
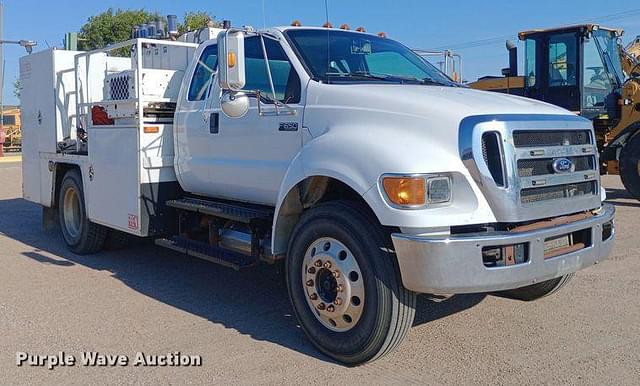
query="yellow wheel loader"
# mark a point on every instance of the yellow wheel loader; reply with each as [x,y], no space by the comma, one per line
[585,69]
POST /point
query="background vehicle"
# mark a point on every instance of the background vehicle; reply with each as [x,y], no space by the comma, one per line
[584,69]
[12,130]
[368,171]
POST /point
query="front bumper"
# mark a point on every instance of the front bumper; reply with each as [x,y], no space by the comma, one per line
[453,264]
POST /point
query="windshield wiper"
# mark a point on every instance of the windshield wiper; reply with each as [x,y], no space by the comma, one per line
[388,78]
[402,78]
[356,75]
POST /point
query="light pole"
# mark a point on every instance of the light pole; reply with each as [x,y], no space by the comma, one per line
[28,46]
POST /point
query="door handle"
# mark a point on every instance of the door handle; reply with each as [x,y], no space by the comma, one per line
[214,123]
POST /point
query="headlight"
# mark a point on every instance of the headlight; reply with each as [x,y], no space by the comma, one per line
[416,191]
[438,190]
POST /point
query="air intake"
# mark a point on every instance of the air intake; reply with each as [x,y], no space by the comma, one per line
[493,157]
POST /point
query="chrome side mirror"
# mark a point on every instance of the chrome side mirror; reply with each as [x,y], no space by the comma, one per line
[234,104]
[231,60]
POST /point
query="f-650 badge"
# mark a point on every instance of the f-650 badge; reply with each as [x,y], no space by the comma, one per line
[288,126]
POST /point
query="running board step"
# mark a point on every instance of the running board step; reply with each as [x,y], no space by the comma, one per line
[208,252]
[240,213]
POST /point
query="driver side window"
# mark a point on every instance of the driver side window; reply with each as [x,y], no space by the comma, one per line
[206,67]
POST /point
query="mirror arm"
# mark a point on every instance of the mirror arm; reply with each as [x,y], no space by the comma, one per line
[266,62]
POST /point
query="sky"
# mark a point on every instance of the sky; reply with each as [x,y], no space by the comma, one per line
[475,29]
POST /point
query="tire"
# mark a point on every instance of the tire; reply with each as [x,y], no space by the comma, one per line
[537,291]
[377,312]
[81,235]
[630,166]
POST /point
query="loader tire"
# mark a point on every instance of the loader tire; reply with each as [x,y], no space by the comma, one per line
[82,236]
[630,166]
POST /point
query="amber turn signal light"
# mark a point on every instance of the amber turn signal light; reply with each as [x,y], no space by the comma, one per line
[405,191]
[231,59]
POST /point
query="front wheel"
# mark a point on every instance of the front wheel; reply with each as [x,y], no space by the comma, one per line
[345,285]
[81,235]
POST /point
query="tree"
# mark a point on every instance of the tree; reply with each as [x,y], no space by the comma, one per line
[111,27]
[17,88]
[196,20]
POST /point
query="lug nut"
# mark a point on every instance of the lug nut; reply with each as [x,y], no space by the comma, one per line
[338,301]
[339,288]
[327,264]
[321,306]
[313,296]
[318,263]
[310,283]
[331,308]
[336,274]
[311,270]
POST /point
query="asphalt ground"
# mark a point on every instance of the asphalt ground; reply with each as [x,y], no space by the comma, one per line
[151,300]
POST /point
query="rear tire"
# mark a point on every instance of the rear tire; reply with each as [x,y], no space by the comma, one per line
[81,235]
[371,311]
[537,291]
[630,166]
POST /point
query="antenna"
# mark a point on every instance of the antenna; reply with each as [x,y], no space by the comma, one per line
[264,17]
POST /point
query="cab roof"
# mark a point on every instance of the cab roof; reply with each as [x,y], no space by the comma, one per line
[589,27]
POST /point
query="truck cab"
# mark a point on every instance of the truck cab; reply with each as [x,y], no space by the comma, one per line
[345,155]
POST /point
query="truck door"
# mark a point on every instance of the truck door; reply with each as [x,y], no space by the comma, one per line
[563,71]
[250,155]
[552,69]
[192,134]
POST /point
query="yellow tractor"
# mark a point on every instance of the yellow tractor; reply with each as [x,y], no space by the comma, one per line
[585,69]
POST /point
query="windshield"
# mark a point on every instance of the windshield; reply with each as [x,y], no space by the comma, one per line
[608,43]
[343,56]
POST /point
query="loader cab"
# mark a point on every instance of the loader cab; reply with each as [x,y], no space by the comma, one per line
[576,67]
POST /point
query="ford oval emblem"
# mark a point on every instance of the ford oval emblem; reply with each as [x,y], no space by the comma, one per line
[563,165]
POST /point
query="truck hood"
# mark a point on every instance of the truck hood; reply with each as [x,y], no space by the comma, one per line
[424,115]
[429,101]
[406,128]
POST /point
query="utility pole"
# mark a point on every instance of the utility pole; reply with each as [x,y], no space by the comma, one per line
[2,135]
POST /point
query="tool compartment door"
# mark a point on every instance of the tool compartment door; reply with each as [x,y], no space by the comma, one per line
[113,178]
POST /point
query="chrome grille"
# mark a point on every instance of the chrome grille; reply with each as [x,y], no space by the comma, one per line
[549,163]
[542,166]
[532,195]
[554,138]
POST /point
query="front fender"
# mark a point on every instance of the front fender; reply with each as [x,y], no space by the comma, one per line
[303,166]
[358,157]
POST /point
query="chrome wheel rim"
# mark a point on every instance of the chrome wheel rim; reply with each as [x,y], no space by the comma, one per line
[72,212]
[333,284]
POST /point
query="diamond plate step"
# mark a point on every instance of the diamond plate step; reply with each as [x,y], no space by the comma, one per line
[241,213]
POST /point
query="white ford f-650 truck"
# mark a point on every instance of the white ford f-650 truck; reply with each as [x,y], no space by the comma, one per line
[371,174]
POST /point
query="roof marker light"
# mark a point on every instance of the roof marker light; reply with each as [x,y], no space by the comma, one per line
[345,26]
[327,25]
[361,29]
[296,23]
